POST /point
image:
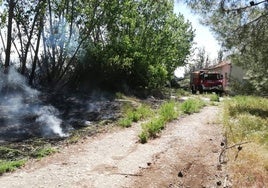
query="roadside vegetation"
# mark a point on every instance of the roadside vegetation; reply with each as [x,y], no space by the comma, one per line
[191,106]
[167,112]
[246,123]
[134,115]
[15,155]
[153,115]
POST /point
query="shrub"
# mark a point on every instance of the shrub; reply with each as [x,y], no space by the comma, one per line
[154,126]
[214,98]
[143,136]
[191,106]
[134,115]
[119,95]
[125,122]
[168,111]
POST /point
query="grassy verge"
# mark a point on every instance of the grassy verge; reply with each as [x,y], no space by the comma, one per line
[167,112]
[246,120]
[8,166]
[191,106]
[15,155]
[133,114]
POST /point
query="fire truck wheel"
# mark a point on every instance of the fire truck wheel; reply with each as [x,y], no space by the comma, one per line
[201,90]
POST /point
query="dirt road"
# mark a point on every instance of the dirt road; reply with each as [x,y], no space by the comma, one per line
[185,155]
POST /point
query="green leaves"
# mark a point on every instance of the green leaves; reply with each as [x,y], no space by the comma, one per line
[138,43]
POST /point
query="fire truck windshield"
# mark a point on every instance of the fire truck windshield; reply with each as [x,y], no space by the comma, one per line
[212,76]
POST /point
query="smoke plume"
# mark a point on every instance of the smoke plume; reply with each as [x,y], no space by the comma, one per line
[22,114]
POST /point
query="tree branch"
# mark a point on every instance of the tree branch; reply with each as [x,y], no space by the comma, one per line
[252,4]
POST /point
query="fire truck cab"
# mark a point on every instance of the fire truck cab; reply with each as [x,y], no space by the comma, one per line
[205,81]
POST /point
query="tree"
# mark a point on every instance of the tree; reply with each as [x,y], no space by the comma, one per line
[242,27]
[138,43]
[200,60]
[11,6]
[143,43]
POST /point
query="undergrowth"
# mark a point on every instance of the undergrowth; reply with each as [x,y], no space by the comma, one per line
[134,115]
[246,120]
[164,114]
[214,98]
[8,166]
[15,155]
[167,112]
[192,105]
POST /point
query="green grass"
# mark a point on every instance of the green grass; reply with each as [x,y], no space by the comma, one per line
[43,152]
[8,166]
[135,115]
[192,105]
[214,98]
[182,92]
[167,112]
[246,120]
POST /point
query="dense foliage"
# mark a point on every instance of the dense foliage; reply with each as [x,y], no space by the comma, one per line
[242,27]
[137,44]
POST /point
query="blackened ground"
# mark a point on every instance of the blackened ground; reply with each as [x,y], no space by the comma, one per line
[74,110]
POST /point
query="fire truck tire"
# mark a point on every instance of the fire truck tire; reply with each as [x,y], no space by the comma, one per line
[193,91]
[201,90]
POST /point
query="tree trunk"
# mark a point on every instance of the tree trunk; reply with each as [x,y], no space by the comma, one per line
[11,5]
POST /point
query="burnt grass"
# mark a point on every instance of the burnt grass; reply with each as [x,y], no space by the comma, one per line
[82,115]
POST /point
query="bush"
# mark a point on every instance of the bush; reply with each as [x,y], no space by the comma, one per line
[168,111]
[154,127]
[125,122]
[214,98]
[134,115]
[191,106]
[143,136]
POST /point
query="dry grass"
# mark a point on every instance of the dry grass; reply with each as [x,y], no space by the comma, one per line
[245,119]
[249,167]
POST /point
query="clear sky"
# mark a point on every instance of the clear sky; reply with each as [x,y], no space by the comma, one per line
[203,36]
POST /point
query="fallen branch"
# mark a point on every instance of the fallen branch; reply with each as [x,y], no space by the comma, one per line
[232,146]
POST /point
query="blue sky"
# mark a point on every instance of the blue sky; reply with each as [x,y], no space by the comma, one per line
[203,36]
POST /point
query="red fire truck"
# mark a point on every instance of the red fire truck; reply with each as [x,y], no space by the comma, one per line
[205,81]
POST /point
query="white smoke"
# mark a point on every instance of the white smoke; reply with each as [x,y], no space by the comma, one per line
[47,117]
[18,100]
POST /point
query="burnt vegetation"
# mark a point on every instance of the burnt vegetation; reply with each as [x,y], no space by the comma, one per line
[62,63]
